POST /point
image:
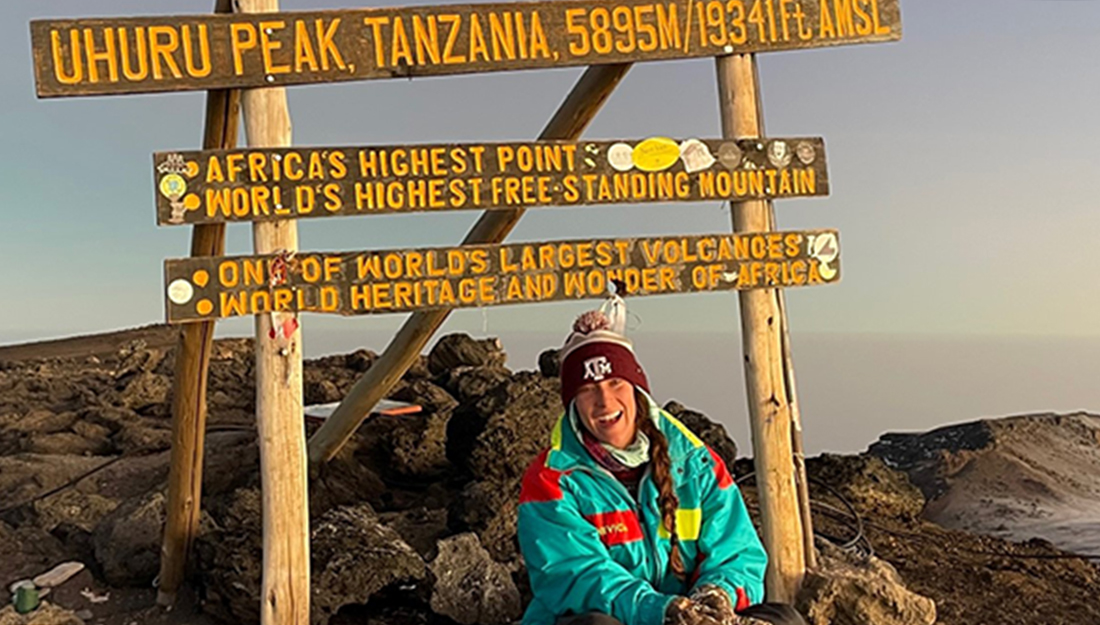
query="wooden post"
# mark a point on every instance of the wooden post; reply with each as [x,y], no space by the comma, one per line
[570,120]
[761,336]
[192,366]
[279,411]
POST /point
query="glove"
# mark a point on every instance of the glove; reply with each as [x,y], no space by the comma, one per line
[714,600]
[713,606]
[683,611]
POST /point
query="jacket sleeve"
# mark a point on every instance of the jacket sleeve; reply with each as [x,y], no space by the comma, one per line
[732,556]
[570,568]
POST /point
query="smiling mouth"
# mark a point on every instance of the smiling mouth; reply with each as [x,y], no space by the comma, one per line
[609,419]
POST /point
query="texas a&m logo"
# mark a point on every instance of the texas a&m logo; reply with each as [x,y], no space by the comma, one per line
[597,368]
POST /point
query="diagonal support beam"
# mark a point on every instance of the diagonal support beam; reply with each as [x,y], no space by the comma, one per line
[192,366]
[573,116]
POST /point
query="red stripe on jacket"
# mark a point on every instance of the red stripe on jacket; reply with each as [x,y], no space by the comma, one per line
[720,471]
[617,527]
[540,482]
[743,602]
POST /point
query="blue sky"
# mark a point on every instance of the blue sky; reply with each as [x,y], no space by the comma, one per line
[963,162]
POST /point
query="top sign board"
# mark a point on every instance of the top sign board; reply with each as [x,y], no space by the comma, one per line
[74,57]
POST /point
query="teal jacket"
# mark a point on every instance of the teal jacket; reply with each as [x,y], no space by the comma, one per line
[590,547]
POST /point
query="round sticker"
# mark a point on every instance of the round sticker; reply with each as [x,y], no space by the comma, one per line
[779,154]
[656,154]
[173,186]
[729,155]
[805,152]
[180,291]
[621,157]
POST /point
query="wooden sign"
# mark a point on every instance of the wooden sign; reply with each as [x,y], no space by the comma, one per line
[360,283]
[260,185]
[75,57]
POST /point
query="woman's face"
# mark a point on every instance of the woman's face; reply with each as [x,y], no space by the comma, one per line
[607,408]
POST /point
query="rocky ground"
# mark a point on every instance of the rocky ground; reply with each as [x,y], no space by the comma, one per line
[414,521]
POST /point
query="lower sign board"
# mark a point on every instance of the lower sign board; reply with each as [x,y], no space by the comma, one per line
[360,283]
[292,183]
[176,53]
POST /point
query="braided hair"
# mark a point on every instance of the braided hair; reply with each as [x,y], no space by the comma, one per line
[662,477]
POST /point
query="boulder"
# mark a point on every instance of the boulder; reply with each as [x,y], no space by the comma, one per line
[457,350]
[418,445]
[713,434]
[470,587]
[64,444]
[866,482]
[498,436]
[230,556]
[421,528]
[490,510]
[73,507]
[847,589]
[144,391]
[40,422]
[355,556]
[127,541]
[422,392]
[360,360]
[469,384]
[550,363]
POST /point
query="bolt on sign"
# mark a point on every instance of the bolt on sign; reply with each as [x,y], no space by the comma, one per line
[97,56]
[360,283]
[292,183]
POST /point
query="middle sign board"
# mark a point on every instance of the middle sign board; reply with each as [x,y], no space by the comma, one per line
[293,183]
[386,281]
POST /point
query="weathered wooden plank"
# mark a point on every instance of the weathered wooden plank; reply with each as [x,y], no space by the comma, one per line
[176,53]
[271,184]
[359,283]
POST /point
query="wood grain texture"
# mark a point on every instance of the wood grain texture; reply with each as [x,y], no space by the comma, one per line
[100,56]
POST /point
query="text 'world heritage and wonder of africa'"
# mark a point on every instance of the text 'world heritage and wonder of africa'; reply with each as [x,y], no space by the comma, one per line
[98,56]
[292,183]
[358,283]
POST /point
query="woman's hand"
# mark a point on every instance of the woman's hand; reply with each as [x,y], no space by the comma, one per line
[709,605]
[715,600]
[684,611]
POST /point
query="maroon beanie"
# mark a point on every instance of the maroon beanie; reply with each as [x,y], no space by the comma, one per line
[593,352]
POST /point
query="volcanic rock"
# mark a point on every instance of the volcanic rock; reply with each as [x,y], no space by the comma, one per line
[866,482]
[354,556]
[469,384]
[421,528]
[550,363]
[470,588]
[850,590]
[458,350]
[498,436]
[127,541]
[1014,478]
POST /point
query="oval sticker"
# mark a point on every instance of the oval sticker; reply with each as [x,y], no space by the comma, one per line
[656,154]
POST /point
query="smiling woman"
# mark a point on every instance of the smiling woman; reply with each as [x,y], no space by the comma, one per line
[629,518]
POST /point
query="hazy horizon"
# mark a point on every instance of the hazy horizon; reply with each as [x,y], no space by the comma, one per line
[852,387]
